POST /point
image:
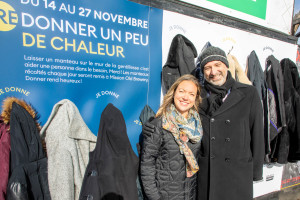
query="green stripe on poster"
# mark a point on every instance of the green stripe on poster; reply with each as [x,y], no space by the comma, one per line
[255,8]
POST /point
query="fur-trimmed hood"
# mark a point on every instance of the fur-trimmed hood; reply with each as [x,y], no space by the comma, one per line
[7,107]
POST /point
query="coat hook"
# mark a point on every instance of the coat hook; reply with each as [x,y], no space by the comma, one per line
[230,50]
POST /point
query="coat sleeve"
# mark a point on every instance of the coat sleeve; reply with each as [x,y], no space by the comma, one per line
[61,176]
[149,154]
[17,187]
[257,136]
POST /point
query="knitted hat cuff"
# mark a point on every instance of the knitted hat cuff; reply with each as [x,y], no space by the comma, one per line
[213,54]
[214,57]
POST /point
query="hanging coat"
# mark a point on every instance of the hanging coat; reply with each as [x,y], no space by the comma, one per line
[274,79]
[146,114]
[198,72]
[232,148]
[295,77]
[236,70]
[113,166]
[292,111]
[256,76]
[4,157]
[69,142]
[29,176]
[180,61]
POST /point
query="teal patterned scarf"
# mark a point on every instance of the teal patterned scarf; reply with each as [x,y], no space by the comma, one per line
[184,130]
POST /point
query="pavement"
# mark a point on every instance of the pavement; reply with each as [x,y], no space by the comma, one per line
[291,193]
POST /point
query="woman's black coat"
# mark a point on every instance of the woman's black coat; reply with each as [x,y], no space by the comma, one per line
[113,166]
[232,149]
[163,171]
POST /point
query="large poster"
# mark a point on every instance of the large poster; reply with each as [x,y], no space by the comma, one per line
[92,53]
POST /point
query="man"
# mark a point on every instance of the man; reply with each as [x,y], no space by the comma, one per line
[232,148]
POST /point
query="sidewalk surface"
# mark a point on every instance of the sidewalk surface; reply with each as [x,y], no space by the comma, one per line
[292,193]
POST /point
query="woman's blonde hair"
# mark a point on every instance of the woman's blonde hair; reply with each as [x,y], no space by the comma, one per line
[169,97]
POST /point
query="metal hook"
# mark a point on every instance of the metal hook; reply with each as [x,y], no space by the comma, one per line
[230,50]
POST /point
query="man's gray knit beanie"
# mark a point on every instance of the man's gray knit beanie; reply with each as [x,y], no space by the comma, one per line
[212,54]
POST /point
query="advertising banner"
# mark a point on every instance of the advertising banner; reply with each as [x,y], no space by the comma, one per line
[99,52]
[92,53]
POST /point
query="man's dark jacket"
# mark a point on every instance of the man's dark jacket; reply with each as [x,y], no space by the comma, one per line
[232,148]
[29,178]
[113,166]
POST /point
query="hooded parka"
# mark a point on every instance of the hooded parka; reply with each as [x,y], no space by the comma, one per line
[113,166]
[232,149]
[180,61]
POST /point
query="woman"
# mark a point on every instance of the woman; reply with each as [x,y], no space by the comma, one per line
[168,156]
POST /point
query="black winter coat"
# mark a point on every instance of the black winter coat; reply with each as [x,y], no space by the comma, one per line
[29,179]
[256,76]
[113,166]
[197,72]
[163,171]
[292,110]
[274,79]
[180,61]
[232,147]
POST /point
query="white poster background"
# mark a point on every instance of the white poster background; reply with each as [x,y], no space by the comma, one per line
[271,182]
[241,43]
[279,13]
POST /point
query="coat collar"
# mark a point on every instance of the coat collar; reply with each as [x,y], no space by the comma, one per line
[233,98]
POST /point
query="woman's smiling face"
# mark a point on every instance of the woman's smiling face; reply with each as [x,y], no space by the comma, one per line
[185,96]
